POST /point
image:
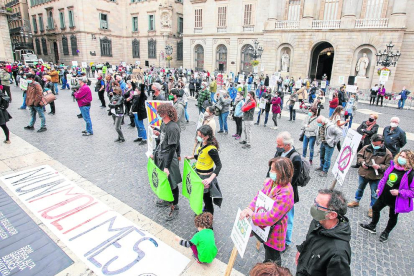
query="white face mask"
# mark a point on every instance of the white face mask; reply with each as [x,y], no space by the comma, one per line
[393,124]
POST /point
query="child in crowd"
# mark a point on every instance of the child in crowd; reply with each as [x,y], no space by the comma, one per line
[203,243]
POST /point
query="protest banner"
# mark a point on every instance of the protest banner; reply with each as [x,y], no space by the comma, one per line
[159,182]
[263,204]
[351,88]
[23,84]
[262,103]
[200,120]
[384,75]
[341,80]
[193,188]
[240,233]
[346,155]
[152,115]
[273,81]
[84,64]
[74,63]
[150,141]
[219,79]
[323,84]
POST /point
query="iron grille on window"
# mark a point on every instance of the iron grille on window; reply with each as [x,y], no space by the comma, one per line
[180,50]
[65,46]
[44,46]
[39,50]
[152,48]
[106,47]
[74,45]
[135,48]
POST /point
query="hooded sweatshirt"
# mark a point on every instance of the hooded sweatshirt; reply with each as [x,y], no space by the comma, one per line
[325,252]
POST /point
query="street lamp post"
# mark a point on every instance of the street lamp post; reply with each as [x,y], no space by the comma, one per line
[388,57]
[256,51]
[169,51]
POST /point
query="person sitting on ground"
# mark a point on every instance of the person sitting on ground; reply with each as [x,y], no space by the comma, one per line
[202,244]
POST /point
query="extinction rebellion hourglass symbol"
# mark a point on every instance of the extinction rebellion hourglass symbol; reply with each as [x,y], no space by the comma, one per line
[155,178]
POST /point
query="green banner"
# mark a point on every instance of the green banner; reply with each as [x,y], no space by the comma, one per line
[159,182]
[193,189]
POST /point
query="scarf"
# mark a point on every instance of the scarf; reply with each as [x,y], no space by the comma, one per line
[207,117]
[370,126]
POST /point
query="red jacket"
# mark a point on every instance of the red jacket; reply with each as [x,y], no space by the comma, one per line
[249,105]
[334,103]
[276,105]
[84,96]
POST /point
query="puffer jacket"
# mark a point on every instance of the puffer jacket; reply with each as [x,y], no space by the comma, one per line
[5,77]
[382,157]
[117,102]
[238,110]
[34,94]
[310,126]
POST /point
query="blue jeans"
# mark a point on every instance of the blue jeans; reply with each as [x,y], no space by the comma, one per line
[290,216]
[56,85]
[223,121]
[344,104]
[401,103]
[350,117]
[325,156]
[311,141]
[362,184]
[24,106]
[212,97]
[331,111]
[87,117]
[292,113]
[142,132]
[201,110]
[33,111]
[186,112]
[65,84]
[261,111]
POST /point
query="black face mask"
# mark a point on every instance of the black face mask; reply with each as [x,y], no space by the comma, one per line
[280,150]
[371,120]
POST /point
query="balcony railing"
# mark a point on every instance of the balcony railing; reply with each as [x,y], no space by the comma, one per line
[11,3]
[286,25]
[326,24]
[248,28]
[15,30]
[198,30]
[371,23]
[221,29]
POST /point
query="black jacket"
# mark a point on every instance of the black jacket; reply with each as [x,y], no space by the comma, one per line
[395,139]
[118,105]
[369,133]
[325,252]
[138,104]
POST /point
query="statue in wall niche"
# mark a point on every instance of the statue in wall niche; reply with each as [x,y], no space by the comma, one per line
[285,61]
[362,66]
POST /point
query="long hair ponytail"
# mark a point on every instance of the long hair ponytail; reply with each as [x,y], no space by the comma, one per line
[206,130]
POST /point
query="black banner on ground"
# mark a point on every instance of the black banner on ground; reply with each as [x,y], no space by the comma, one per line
[24,248]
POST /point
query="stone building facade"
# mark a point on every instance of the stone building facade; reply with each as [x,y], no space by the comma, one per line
[111,31]
[19,24]
[302,38]
[6,53]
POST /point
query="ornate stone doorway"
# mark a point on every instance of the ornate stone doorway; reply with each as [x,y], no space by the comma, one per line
[322,58]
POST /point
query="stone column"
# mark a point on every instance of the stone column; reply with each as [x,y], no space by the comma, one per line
[270,22]
[308,14]
[398,16]
[349,12]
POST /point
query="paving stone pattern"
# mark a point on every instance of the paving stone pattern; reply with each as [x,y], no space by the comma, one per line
[120,170]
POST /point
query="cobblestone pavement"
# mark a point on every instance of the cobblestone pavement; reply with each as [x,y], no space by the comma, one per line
[120,170]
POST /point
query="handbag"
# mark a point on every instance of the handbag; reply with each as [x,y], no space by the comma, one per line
[47,98]
[301,136]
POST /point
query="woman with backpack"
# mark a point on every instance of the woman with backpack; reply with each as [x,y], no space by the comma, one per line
[4,115]
[310,129]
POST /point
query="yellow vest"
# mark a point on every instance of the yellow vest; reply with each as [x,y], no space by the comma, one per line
[204,161]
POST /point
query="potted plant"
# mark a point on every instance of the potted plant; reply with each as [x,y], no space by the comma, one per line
[254,63]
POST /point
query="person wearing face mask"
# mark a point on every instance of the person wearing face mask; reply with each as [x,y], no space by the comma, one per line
[285,148]
[209,119]
[310,127]
[139,112]
[117,109]
[395,190]
[207,157]
[328,136]
[326,249]
[48,85]
[336,120]
[278,188]
[165,155]
[374,159]
[367,129]
[394,137]
[204,98]
[100,88]
[179,105]
[224,101]
[238,115]
[248,114]
[276,108]
[34,94]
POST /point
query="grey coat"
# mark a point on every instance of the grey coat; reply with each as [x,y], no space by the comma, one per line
[225,103]
[312,129]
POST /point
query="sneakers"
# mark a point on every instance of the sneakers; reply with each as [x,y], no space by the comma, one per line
[368,227]
[226,132]
[29,127]
[80,116]
[238,137]
[319,169]
[323,174]
[220,131]
[384,237]
[143,142]
[369,212]
[235,135]
[354,203]
[246,146]
[7,141]
[87,134]
[139,139]
[42,129]
[84,131]
[162,203]
[243,142]
[256,124]
[172,213]
[275,127]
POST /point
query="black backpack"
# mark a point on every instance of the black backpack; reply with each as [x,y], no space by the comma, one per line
[4,102]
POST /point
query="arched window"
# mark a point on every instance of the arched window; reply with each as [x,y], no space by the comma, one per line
[152,48]
[65,45]
[44,46]
[221,58]
[135,48]
[74,45]
[39,50]
[199,57]
[106,47]
[246,58]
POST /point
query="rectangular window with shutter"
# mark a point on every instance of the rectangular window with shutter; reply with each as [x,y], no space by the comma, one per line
[62,20]
[71,19]
[373,9]
[331,10]
[222,16]
[198,18]
[151,22]
[180,25]
[135,24]
[293,10]
[34,25]
[248,14]
[103,18]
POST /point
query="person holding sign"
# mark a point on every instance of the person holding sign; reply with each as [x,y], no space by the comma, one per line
[165,154]
[278,188]
[207,156]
